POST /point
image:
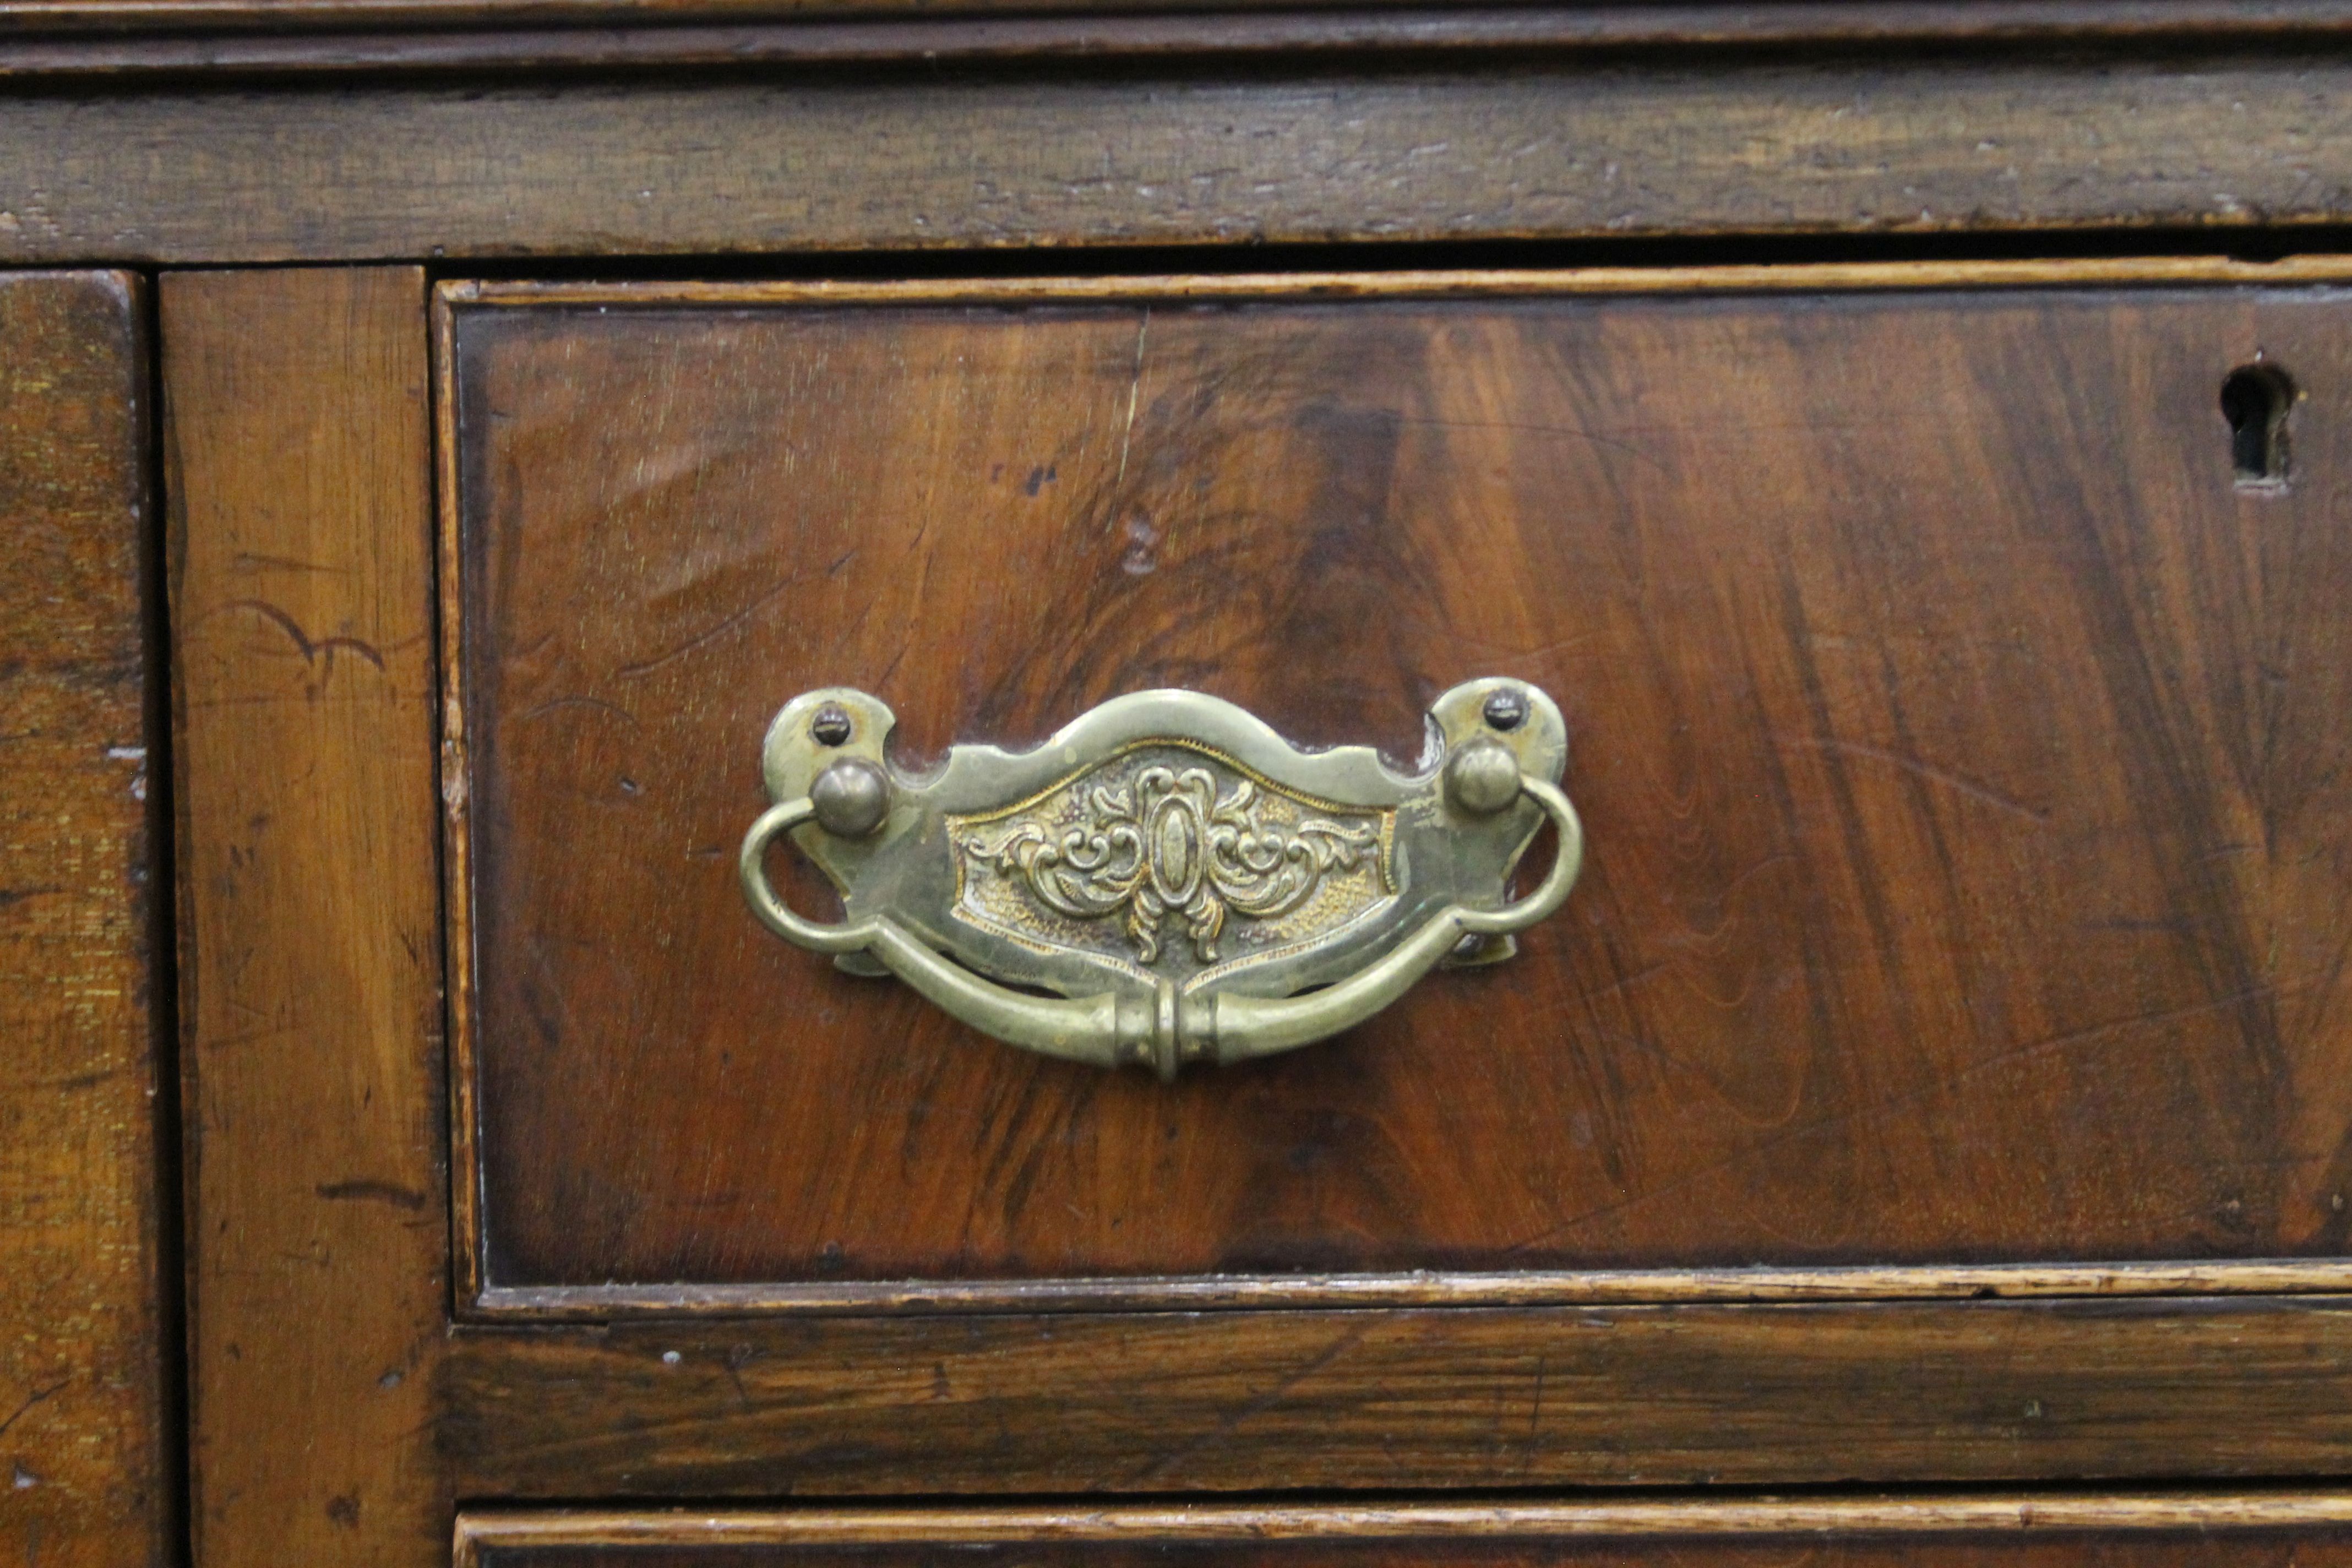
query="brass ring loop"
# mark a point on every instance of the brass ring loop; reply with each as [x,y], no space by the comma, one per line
[773,911]
[1553,891]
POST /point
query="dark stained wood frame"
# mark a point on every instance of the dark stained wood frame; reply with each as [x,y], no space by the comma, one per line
[478,1298]
[1889,1394]
[134,38]
[2108,1513]
[1944,131]
[1675,21]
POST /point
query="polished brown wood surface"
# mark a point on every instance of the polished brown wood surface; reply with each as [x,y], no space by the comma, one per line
[1963,1531]
[1959,743]
[85,1459]
[310,961]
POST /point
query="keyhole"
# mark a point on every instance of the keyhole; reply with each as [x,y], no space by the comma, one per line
[2255,399]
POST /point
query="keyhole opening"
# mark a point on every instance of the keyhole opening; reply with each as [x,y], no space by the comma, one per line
[2255,400]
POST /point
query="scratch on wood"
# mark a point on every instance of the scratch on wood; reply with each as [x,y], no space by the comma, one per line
[726,623]
[38,1396]
[1256,1407]
[552,703]
[1928,770]
[1134,394]
[312,649]
[1942,1084]
[379,1192]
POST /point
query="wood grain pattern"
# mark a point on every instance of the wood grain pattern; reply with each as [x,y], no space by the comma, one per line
[1367,1401]
[84,1465]
[302,16]
[391,34]
[1960,750]
[1530,148]
[2164,1529]
[1774,21]
[297,450]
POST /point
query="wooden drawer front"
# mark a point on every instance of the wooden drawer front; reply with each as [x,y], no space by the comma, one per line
[1964,747]
[2270,1531]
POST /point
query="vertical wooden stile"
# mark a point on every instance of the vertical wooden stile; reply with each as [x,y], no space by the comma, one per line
[301,579]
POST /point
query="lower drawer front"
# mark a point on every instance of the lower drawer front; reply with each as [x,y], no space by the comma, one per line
[2173,1530]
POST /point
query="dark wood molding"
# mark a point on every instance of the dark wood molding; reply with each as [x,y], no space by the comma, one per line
[418,36]
[1889,1394]
[683,167]
[1645,23]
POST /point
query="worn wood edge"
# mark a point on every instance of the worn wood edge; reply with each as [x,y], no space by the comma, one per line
[170,1140]
[1697,1518]
[480,1300]
[1616,1288]
[1794,278]
[468,1271]
[171,526]
[412,36]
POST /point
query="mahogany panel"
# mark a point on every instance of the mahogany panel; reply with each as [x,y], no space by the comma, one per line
[85,1459]
[297,444]
[1962,750]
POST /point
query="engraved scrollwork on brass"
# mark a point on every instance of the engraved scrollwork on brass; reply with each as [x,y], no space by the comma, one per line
[1166,880]
[1169,831]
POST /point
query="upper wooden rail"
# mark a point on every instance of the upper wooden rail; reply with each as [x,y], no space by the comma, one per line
[42,36]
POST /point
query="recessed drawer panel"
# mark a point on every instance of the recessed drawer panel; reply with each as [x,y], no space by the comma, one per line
[2050,1532]
[1958,696]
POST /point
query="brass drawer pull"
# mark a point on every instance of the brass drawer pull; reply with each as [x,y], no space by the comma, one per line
[1187,884]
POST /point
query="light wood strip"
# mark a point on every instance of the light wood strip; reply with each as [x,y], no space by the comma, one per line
[1617,1287]
[2134,272]
[1688,1519]
[302,615]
